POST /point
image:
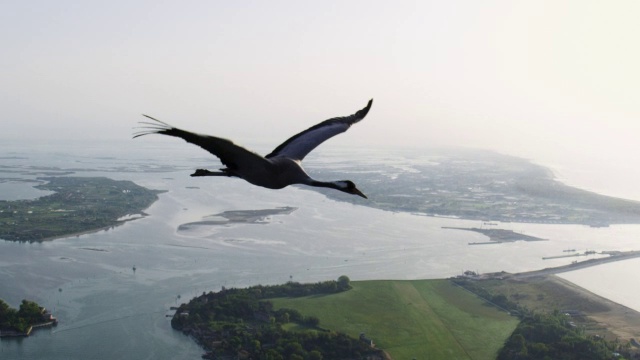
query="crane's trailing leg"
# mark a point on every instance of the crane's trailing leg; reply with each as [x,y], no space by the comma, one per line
[205,172]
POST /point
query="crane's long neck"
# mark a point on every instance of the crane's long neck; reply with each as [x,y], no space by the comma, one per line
[327,184]
[346,186]
[343,185]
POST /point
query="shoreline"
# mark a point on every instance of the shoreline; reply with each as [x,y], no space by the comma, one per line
[17,334]
[563,171]
[78,205]
[506,189]
[80,233]
[613,257]
[617,320]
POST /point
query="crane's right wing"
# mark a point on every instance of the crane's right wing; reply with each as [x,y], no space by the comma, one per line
[299,145]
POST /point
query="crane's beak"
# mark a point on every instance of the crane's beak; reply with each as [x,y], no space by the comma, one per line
[359,193]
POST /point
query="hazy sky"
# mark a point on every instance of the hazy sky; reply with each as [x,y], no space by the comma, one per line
[513,76]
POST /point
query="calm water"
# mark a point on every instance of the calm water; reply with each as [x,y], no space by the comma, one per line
[613,176]
[109,311]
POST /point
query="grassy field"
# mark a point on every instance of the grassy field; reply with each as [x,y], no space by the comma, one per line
[422,319]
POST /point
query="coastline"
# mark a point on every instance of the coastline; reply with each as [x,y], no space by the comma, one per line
[619,319]
[595,177]
[599,177]
[17,334]
[486,186]
[616,320]
[613,257]
[86,232]
[78,205]
[48,320]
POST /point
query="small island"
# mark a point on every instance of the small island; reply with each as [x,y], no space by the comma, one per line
[20,323]
[260,216]
[79,205]
[497,236]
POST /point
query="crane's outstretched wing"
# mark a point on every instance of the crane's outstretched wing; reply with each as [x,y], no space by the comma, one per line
[299,145]
[234,157]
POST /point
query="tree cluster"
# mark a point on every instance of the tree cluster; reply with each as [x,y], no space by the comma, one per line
[243,323]
[274,343]
[295,289]
[546,336]
[20,320]
[551,336]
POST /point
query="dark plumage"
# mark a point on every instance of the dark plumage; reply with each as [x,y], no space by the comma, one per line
[280,168]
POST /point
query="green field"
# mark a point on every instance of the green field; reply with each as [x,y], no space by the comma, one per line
[422,319]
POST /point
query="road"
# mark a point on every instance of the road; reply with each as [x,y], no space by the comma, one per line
[613,256]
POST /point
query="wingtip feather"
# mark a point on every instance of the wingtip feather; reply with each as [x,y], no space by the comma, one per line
[152,127]
[156,120]
[362,113]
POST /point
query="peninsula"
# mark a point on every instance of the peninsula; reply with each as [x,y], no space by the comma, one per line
[79,205]
[478,185]
[471,316]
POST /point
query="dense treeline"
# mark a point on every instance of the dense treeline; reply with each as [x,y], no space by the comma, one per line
[294,289]
[20,320]
[546,336]
[243,323]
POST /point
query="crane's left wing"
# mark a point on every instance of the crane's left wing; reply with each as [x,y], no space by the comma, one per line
[233,156]
[299,145]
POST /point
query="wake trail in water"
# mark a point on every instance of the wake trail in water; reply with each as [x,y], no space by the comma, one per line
[58,330]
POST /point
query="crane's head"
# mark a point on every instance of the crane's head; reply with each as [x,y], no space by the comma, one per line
[349,187]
